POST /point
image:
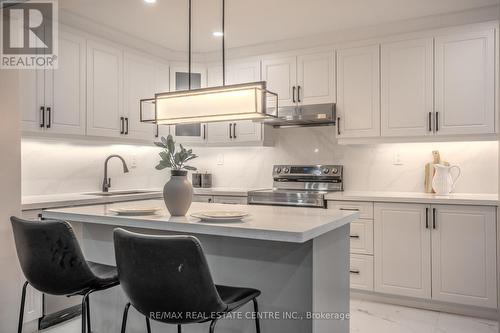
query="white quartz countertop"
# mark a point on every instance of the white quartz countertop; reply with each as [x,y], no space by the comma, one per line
[75,199]
[287,224]
[415,197]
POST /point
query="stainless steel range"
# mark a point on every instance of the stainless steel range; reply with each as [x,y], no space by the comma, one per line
[300,185]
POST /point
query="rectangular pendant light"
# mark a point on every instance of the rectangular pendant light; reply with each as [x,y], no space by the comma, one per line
[248,101]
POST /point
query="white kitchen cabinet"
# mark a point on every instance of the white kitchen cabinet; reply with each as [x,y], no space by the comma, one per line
[143,77]
[179,80]
[281,77]
[464,255]
[105,113]
[361,272]
[402,249]
[358,92]
[465,83]
[407,88]
[316,78]
[243,131]
[305,79]
[361,236]
[53,100]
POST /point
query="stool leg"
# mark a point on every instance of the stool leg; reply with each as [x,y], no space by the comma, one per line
[257,319]
[21,310]
[84,314]
[124,321]
[89,328]
[179,329]
[148,325]
[212,325]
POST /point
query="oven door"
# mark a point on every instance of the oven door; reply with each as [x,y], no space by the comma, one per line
[287,198]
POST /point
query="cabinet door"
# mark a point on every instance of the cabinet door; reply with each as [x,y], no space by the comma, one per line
[65,88]
[281,77]
[140,82]
[179,77]
[402,250]
[464,255]
[247,131]
[407,88]
[316,78]
[104,89]
[32,99]
[465,83]
[358,92]
[219,132]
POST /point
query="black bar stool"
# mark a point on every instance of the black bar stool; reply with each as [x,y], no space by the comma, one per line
[164,275]
[53,263]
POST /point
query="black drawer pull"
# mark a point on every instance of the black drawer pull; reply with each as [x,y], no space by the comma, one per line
[350,209]
[354,236]
[42,116]
[354,272]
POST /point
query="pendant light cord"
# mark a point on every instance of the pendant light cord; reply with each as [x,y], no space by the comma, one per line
[223,42]
[189,48]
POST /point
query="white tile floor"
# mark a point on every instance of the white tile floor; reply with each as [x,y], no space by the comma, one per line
[372,317]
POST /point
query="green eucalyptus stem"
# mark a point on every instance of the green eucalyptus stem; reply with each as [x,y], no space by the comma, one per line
[170,158]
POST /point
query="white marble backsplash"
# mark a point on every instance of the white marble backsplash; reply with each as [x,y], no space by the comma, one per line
[52,167]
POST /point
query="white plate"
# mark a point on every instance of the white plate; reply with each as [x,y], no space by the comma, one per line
[220,216]
[135,210]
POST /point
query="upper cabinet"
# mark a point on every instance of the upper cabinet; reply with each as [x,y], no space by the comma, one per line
[53,100]
[105,112]
[358,92]
[407,88]
[242,131]
[143,78]
[465,83]
[305,79]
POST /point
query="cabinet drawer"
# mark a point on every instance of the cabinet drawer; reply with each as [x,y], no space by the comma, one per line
[362,237]
[203,198]
[361,272]
[365,209]
[230,200]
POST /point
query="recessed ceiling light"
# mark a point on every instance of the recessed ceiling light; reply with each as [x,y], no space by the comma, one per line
[150,1]
[217,34]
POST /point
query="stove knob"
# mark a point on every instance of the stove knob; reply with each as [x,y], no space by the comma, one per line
[326,170]
[278,170]
[335,170]
[286,170]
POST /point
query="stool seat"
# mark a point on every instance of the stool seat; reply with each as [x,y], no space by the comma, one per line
[105,276]
[236,297]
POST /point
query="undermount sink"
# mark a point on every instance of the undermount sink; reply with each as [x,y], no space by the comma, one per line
[115,193]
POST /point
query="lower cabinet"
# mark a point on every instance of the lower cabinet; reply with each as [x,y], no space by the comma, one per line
[361,272]
[440,252]
[220,199]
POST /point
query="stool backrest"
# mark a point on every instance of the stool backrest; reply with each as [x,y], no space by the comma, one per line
[50,256]
[166,278]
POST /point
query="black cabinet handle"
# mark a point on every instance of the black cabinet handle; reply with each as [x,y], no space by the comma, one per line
[157,133]
[298,94]
[122,126]
[426,218]
[293,94]
[338,125]
[437,121]
[42,116]
[204,132]
[350,209]
[434,222]
[126,123]
[230,130]
[430,121]
[354,271]
[354,236]
[49,117]
[234,131]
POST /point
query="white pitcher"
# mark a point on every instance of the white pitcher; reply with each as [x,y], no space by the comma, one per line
[443,182]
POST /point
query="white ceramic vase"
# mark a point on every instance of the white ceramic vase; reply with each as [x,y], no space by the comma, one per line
[444,182]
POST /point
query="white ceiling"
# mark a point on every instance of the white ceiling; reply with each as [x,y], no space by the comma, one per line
[250,22]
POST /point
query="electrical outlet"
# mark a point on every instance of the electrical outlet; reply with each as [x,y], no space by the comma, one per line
[220,159]
[133,161]
[396,160]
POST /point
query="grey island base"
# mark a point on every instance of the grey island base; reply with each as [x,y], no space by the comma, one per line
[297,257]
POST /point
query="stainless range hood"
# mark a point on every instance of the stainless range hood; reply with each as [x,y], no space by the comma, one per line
[304,116]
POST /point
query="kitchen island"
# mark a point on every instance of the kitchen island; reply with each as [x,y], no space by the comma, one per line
[297,257]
